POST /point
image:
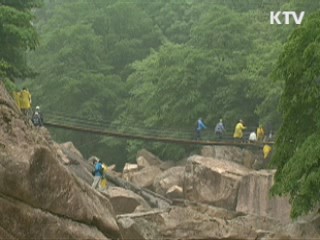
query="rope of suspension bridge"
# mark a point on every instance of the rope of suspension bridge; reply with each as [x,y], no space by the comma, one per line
[61,121]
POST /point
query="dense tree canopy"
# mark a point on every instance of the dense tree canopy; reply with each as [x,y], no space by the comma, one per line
[155,67]
[298,146]
[17,34]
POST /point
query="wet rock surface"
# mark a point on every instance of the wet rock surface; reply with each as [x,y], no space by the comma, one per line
[37,187]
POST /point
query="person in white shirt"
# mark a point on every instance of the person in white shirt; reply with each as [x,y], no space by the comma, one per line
[252,137]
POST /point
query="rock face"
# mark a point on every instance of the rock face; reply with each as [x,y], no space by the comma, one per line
[146,176]
[125,201]
[21,221]
[174,192]
[213,182]
[70,150]
[254,197]
[141,177]
[77,163]
[167,179]
[234,187]
[194,222]
[38,187]
[206,222]
[229,153]
[148,158]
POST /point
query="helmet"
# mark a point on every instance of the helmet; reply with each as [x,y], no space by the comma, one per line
[37,108]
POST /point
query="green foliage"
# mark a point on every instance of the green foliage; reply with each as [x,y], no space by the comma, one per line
[9,85]
[297,146]
[153,68]
[17,35]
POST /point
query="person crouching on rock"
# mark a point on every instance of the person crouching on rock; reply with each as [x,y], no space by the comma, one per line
[97,173]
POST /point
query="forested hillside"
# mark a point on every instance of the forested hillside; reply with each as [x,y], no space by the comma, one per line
[156,67]
[17,35]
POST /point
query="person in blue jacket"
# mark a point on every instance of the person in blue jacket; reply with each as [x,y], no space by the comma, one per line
[200,127]
[97,173]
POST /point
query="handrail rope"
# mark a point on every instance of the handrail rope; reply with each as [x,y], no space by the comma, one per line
[150,130]
[84,124]
[112,122]
[171,134]
[150,138]
[92,123]
[100,121]
[87,122]
[97,129]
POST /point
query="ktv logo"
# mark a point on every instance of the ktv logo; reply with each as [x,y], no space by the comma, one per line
[286,17]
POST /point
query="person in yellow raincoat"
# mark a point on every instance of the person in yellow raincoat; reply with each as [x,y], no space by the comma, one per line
[266,155]
[16,97]
[25,101]
[238,131]
[260,133]
[266,152]
[104,182]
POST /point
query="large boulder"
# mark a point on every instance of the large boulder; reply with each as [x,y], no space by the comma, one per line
[44,183]
[165,180]
[60,155]
[142,226]
[125,201]
[254,197]
[190,223]
[71,151]
[128,170]
[200,221]
[130,167]
[212,181]
[142,162]
[147,158]
[234,187]
[142,177]
[174,192]
[231,153]
[77,163]
[145,177]
[187,223]
[22,221]
[34,181]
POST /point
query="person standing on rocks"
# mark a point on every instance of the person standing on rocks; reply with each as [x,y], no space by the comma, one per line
[25,102]
[16,96]
[104,182]
[97,173]
[37,118]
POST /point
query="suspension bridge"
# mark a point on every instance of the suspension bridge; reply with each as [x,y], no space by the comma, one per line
[171,136]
